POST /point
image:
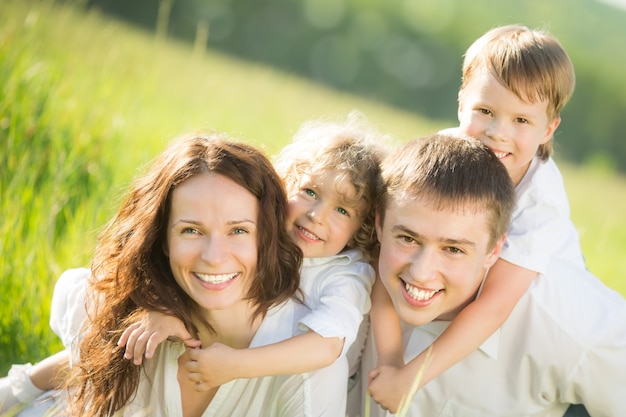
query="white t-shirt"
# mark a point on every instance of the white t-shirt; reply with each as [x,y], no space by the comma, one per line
[319,393]
[337,290]
[541,228]
[565,342]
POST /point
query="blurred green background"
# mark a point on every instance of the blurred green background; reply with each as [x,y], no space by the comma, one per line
[92,90]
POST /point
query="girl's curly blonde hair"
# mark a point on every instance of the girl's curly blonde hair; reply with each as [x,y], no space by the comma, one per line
[352,148]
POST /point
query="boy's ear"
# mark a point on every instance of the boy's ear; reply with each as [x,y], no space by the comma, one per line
[551,129]
[493,256]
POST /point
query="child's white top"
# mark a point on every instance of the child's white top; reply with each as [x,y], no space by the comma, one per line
[313,394]
[337,290]
[541,227]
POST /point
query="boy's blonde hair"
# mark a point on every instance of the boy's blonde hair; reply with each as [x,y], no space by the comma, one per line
[530,63]
[354,149]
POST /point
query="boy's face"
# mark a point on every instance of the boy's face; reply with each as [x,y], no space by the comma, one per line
[323,214]
[510,127]
[432,262]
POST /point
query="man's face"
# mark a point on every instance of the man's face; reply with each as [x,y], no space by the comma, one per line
[433,262]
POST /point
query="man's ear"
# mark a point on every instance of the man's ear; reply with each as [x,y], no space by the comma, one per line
[493,256]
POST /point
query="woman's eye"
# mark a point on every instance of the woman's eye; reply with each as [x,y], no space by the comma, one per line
[190,231]
[239,231]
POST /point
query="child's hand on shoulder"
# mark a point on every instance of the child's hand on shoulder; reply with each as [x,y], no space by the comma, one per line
[143,337]
[213,366]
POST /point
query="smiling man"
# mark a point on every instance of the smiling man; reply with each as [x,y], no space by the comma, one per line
[441,225]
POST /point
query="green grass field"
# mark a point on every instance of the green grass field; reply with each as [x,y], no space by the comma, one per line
[87,101]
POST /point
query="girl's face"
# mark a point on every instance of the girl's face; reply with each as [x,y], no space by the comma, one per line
[212,240]
[323,214]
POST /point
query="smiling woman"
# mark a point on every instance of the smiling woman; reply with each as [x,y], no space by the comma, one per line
[201,237]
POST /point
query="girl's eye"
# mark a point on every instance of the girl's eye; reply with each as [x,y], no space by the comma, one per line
[309,192]
[343,211]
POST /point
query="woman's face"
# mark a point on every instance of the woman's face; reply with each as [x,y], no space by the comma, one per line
[212,240]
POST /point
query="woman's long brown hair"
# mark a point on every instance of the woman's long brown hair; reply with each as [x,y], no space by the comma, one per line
[131,272]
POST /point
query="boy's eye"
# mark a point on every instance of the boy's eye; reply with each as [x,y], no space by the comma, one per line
[485,111]
[522,120]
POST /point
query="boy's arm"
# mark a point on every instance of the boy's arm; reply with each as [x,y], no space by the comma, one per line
[218,363]
[504,286]
[386,327]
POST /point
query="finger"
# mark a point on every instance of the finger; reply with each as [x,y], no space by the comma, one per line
[192,343]
[126,334]
[194,354]
[130,343]
[194,377]
[153,341]
[192,366]
[371,375]
[140,347]
[200,386]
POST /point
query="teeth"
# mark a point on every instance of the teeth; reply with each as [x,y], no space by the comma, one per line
[419,295]
[501,154]
[308,234]
[216,279]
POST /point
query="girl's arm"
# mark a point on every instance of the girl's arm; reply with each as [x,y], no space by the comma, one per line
[386,328]
[504,286]
[143,337]
[218,363]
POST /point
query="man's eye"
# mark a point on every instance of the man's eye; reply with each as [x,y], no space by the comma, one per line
[453,249]
[407,239]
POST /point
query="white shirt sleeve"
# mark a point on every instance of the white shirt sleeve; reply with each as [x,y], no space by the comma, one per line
[68,309]
[339,300]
